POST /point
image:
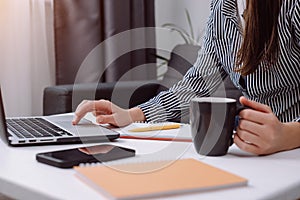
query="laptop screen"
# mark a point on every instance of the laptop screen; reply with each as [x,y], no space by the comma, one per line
[3,128]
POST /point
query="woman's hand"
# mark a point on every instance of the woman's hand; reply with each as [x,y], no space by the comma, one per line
[260,132]
[108,113]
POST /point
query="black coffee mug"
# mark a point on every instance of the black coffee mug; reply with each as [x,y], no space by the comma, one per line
[212,124]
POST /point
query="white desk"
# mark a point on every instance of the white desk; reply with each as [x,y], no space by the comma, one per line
[270,177]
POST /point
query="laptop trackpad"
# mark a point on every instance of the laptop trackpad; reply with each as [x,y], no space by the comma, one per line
[83,129]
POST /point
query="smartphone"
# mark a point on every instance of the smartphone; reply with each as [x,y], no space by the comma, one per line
[73,157]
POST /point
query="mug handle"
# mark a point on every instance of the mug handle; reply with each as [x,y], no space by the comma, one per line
[237,118]
[240,108]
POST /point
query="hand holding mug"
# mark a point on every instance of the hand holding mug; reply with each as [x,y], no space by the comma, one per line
[259,130]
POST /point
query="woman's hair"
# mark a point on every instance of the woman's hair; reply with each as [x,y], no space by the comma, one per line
[260,42]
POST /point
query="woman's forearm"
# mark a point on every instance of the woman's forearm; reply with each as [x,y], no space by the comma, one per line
[292,133]
[137,115]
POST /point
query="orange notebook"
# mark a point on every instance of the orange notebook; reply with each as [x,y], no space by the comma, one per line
[157,179]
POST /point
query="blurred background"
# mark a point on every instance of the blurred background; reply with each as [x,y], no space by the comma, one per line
[37,46]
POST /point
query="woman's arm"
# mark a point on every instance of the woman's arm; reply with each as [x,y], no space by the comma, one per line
[200,80]
[108,113]
[292,131]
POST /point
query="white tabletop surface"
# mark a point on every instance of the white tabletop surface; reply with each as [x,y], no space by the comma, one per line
[270,177]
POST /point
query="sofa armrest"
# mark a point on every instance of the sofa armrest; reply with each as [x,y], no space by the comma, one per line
[127,94]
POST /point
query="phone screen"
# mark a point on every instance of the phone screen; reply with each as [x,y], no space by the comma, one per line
[72,157]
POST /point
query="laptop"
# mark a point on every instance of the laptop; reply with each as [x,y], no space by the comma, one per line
[53,129]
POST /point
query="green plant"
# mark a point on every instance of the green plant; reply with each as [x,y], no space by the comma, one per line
[189,37]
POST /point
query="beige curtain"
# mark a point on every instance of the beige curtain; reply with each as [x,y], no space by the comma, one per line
[26,54]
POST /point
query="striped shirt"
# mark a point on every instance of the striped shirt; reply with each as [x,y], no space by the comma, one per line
[277,86]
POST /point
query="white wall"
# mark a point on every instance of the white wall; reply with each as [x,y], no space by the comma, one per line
[173,11]
[26,57]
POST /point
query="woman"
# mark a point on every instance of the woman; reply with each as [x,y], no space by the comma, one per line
[260,52]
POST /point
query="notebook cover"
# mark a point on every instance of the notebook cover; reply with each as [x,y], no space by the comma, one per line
[181,176]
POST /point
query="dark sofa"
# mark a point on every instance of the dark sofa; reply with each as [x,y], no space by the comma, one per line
[65,98]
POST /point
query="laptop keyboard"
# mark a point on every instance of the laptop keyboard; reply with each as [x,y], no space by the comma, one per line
[34,128]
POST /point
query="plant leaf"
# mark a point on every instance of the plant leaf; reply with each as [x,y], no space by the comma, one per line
[189,38]
[162,64]
[190,23]
[169,24]
[182,33]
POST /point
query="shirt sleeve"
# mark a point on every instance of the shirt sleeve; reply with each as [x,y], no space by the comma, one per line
[296,21]
[296,26]
[202,79]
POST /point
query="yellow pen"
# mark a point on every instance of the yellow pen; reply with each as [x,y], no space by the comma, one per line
[156,128]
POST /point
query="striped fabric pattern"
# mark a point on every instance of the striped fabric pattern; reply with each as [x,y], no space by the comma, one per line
[278,86]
